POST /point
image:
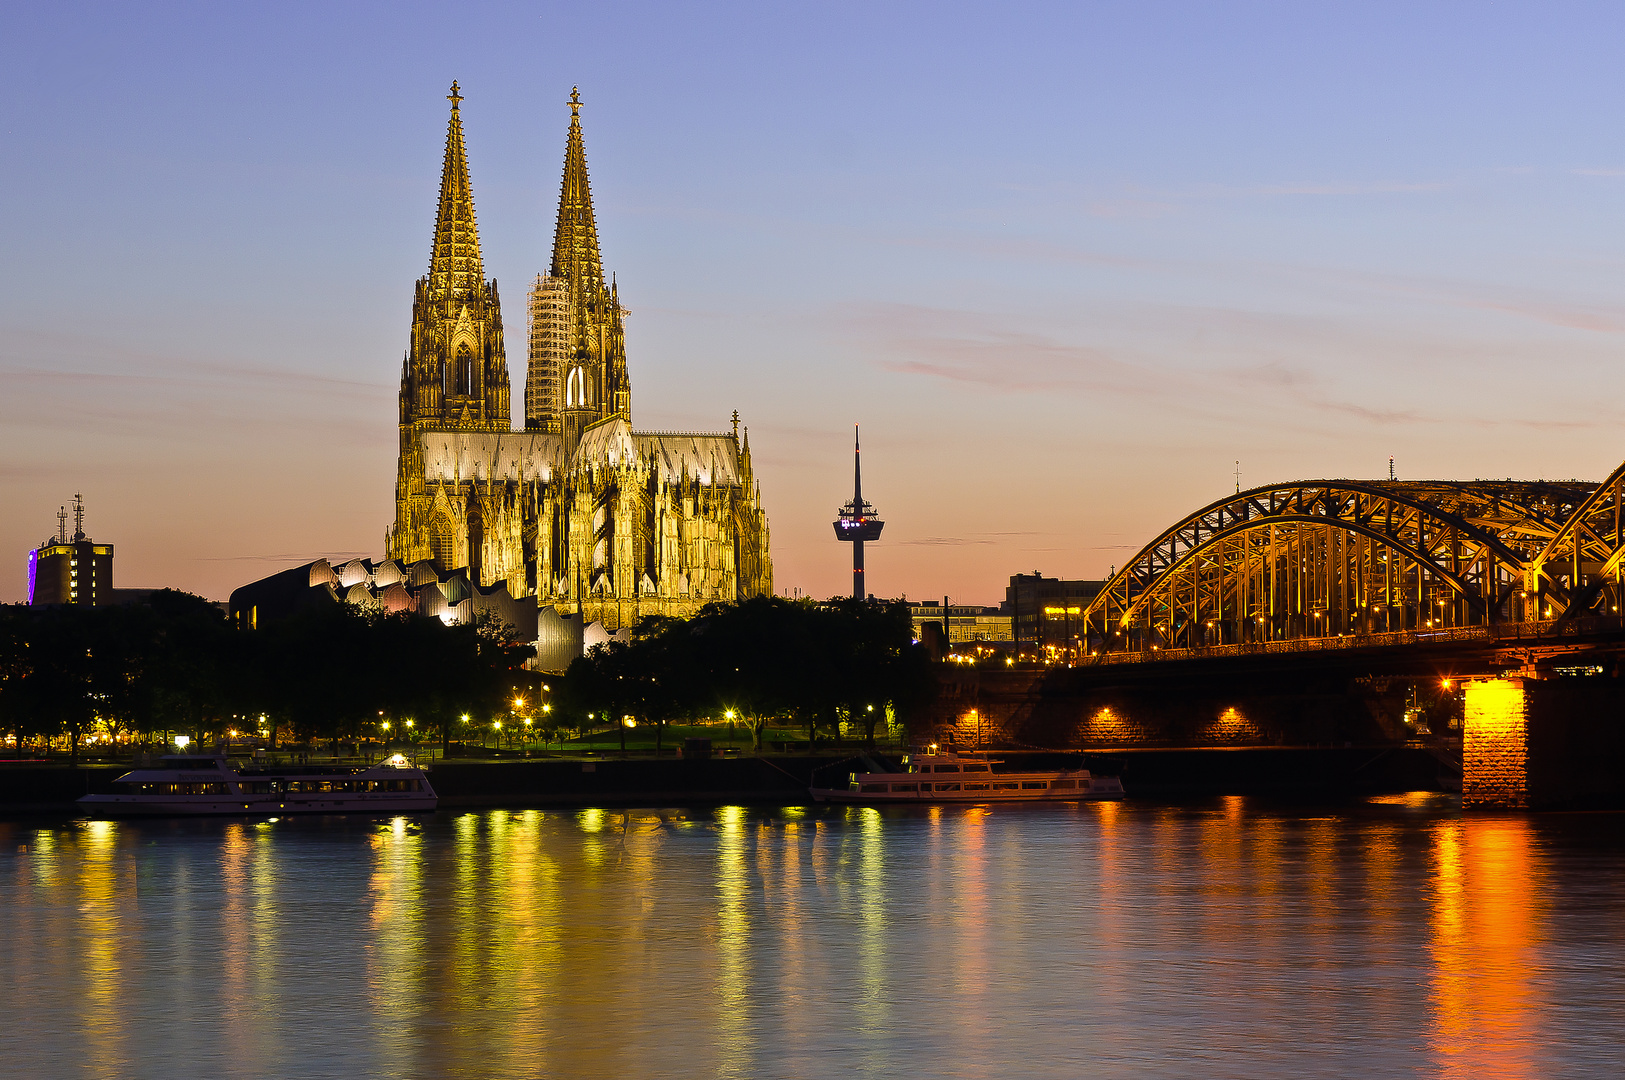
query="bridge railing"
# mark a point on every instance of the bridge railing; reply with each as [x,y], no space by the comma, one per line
[1520,631]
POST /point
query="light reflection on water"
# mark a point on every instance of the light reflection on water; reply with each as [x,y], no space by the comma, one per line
[1228,938]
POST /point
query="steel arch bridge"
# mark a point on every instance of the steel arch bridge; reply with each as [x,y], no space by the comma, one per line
[1324,559]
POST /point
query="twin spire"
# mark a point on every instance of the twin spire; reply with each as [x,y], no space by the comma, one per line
[455,266]
[575,239]
[455,263]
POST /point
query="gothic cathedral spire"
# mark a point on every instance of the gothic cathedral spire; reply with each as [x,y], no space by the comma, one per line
[456,372]
[455,268]
[575,239]
[578,347]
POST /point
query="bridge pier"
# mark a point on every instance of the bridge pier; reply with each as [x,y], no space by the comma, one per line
[1552,743]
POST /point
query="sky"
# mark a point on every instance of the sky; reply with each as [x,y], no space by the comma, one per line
[1068,264]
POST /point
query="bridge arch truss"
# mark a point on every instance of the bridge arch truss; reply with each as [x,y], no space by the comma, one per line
[1329,558]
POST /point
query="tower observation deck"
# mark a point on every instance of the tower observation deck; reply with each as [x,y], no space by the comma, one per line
[856,523]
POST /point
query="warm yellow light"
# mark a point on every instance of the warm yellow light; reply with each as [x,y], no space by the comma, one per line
[628,721]
[519,703]
[465,718]
[1445,683]
[871,708]
[409,723]
[384,725]
[183,741]
[729,715]
[527,721]
[547,708]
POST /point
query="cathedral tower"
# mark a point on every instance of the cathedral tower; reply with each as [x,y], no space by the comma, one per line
[455,373]
[577,374]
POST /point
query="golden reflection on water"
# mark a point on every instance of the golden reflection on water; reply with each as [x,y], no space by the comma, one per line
[102,907]
[1488,894]
[976,941]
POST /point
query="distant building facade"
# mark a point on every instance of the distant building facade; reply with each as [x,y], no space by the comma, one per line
[967,623]
[71,570]
[1047,612]
[576,511]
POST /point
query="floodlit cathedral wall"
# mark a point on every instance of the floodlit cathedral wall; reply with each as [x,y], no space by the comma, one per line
[576,509]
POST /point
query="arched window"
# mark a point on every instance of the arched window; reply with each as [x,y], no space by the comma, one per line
[575,389]
[441,548]
[465,370]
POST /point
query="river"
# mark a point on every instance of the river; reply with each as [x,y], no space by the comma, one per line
[1230,938]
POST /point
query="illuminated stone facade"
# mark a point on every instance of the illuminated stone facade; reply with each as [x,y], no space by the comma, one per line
[576,508]
[1495,744]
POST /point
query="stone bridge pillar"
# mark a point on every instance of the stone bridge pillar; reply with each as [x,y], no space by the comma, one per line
[1546,743]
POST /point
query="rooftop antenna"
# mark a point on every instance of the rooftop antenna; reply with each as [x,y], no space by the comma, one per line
[78,516]
[62,525]
[1238,477]
[1390,467]
[856,522]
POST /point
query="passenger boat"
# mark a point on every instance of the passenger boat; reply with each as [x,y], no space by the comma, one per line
[948,777]
[184,784]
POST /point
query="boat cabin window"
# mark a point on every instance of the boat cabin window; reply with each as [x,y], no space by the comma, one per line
[947,768]
[977,768]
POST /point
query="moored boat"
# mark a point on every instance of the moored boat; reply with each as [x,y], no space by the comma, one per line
[187,784]
[948,777]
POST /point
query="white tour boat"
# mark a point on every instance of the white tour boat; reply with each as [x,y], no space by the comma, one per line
[949,777]
[208,784]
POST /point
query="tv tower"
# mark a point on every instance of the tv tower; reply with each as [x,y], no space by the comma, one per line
[856,522]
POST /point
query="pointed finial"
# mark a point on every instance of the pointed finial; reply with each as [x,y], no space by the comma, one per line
[454,97]
[736,425]
[575,101]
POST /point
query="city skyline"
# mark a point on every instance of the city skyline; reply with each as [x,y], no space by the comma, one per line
[1074,264]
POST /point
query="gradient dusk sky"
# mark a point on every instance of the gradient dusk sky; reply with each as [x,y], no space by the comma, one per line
[1067,263]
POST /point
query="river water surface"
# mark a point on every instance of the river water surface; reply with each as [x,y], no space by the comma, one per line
[1395,937]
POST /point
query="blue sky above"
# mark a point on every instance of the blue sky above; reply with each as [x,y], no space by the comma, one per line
[1066,263]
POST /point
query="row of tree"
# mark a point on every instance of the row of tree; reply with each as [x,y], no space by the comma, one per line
[175,665]
[334,673]
[763,660]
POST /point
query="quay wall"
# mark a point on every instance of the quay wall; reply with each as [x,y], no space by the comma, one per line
[1069,709]
[1147,772]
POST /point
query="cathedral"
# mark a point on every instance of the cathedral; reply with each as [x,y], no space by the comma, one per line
[576,509]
